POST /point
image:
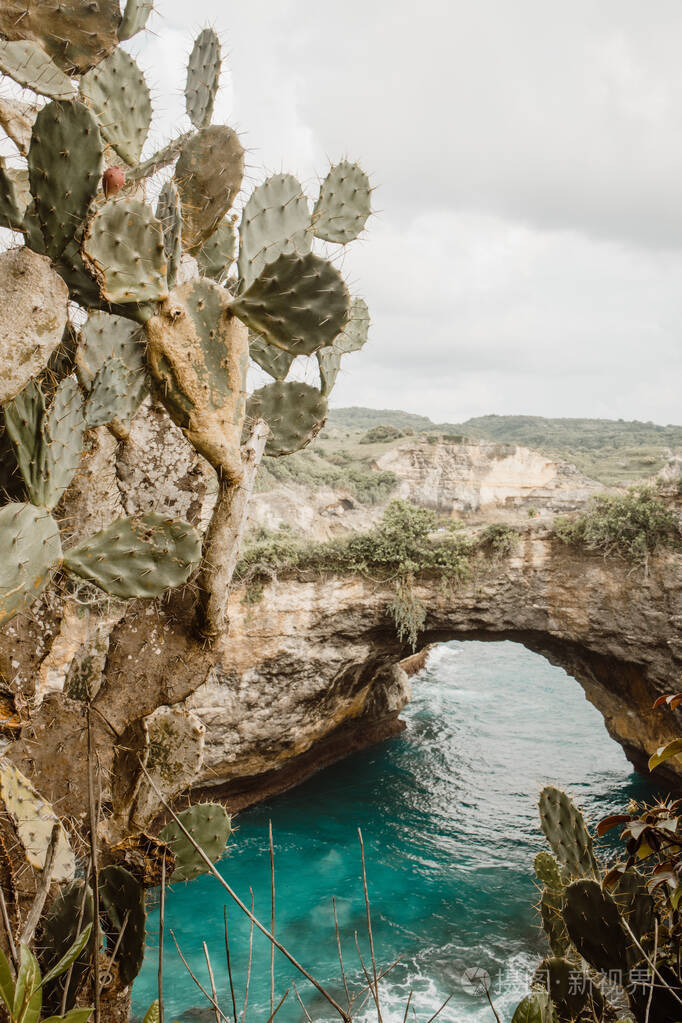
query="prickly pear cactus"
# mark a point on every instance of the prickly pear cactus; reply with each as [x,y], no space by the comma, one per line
[29,539]
[209,825]
[595,926]
[122,902]
[294,412]
[566,832]
[66,918]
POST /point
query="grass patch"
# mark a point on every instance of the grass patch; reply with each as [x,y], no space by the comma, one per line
[368,486]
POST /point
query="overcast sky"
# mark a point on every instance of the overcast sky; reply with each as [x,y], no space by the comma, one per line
[526,255]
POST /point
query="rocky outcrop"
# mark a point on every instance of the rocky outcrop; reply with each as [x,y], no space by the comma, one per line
[311,672]
[466,475]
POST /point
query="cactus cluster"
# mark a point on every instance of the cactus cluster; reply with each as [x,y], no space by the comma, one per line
[209,825]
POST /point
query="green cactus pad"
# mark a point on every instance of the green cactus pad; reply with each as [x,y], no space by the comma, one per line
[108,399]
[34,820]
[329,362]
[536,1007]
[28,64]
[572,992]
[198,358]
[117,93]
[210,826]
[209,175]
[344,204]
[636,905]
[138,557]
[596,928]
[273,360]
[551,909]
[354,335]
[60,931]
[124,246]
[566,832]
[203,78]
[134,18]
[76,35]
[548,871]
[216,256]
[275,219]
[64,167]
[298,303]
[169,215]
[29,537]
[48,445]
[104,337]
[14,197]
[294,412]
[122,896]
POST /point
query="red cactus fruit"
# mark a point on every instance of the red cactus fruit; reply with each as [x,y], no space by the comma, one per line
[113,180]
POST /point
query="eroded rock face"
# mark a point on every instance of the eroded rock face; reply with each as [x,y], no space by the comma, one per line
[469,475]
[309,671]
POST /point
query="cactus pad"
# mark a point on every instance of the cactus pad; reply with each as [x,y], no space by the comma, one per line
[29,539]
[572,992]
[173,754]
[548,871]
[122,896]
[298,303]
[64,167]
[34,820]
[636,905]
[210,826]
[134,18]
[14,197]
[112,397]
[294,412]
[76,35]
[28,64]
[595,926]
[273,360]
[198,358]
[209,175]
[138,557]
[275,219]
[104,337]
[81,284]
[48,445]
[60,931]
[203,78]
[216,256]
[169,215]
[566,832]
[117,93]
[329,362]
[551,908]
[344,204]
[535,1008]
[354,335]
[124,246]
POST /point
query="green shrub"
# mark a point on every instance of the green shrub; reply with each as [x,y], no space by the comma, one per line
[408,612]
[367,485]
[382,432]
[630,526]
[498,540]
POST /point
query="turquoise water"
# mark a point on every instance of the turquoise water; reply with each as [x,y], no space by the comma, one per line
[447,811]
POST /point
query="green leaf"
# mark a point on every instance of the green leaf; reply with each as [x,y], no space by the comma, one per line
[152,1014]
[72,1016]
[70,956]
[27,979]
[6,982]
[663,753]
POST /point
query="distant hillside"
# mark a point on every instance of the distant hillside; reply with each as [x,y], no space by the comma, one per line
[611,451]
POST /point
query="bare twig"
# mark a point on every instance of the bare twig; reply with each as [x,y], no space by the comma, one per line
[438,1011]
[233,895]
[108,975]
[651,989]
[162,915]
[652,964]
[81,914]
[338,945]
[248,968]
[369,926]
[370,983]
[407,1007]
[196,981]
[487,994]
[211,978]
[8,930]
[229,967]
[43,888]
[93,815]
[300,1002]
[278,1007]
[272,920]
